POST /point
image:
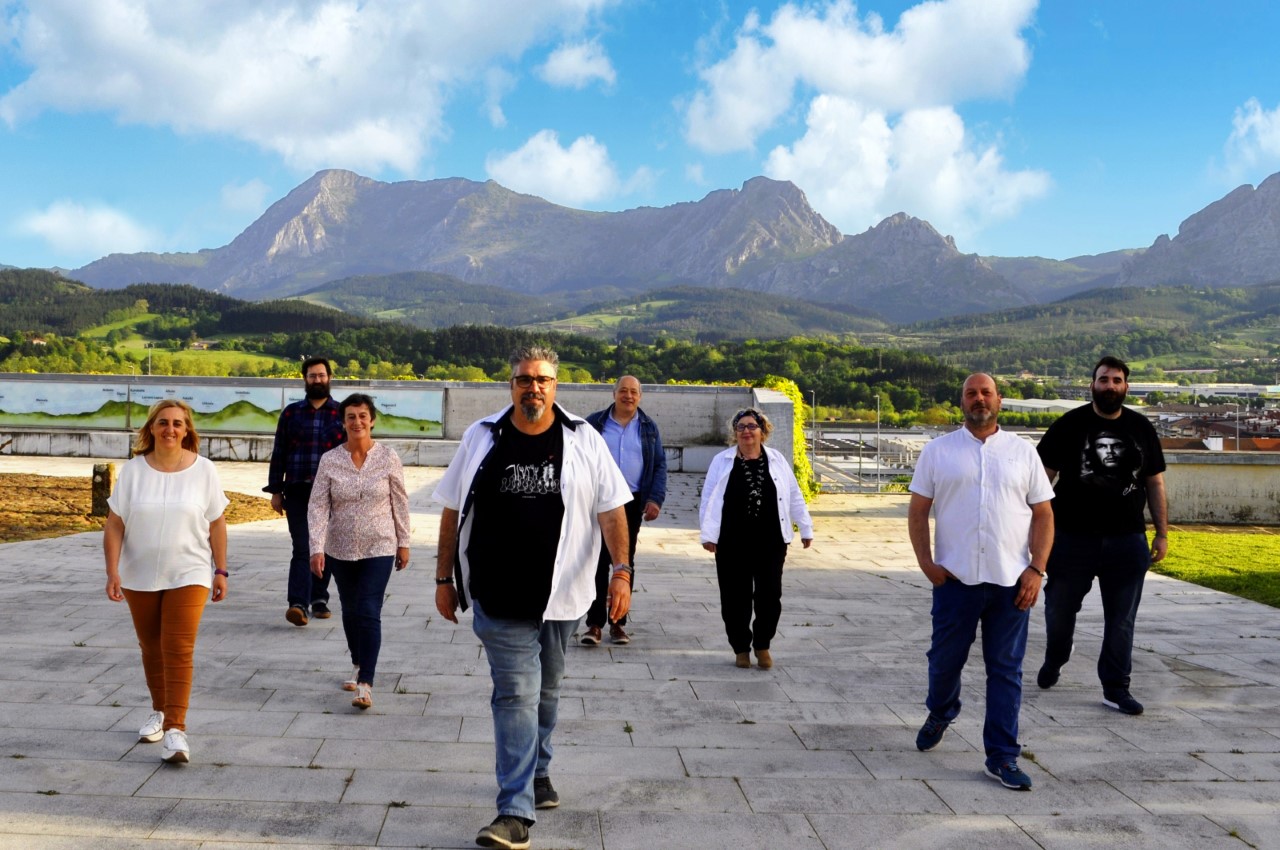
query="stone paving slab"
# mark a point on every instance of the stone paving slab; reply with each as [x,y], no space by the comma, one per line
[662,743]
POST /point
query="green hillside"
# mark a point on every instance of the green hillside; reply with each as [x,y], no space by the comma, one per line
[428,300]
[697,313]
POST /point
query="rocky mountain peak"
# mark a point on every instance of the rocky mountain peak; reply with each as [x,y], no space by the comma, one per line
[1234,241]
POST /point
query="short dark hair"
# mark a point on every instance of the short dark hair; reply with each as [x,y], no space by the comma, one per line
[317,361]
[357,400]
[1111,363]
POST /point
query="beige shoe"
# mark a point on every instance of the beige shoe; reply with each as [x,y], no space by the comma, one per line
[742,659]
[364,696]
[763,659]
[350,684]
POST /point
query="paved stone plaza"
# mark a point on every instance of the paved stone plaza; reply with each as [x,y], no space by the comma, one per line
[661,744]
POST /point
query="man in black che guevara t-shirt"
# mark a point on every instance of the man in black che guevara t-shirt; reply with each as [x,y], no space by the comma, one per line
[1110,467]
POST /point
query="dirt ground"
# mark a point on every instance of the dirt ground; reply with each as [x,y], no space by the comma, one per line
[36,506]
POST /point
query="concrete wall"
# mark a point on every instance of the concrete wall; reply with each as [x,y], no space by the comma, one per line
[692,419]
[1223,488]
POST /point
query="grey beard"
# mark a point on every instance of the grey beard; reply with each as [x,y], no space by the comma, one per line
[532,412]
[981,418]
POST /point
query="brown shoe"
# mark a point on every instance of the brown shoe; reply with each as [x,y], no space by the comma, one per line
[617,635]
[592,636]
[320,611]
[742,659]
[296,615]
[763,659]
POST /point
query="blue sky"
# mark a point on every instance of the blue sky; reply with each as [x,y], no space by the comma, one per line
[1055,129]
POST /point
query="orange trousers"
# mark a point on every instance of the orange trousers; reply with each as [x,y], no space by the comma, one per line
[166,622]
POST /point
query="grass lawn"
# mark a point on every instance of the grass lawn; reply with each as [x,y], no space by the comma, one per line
[1244,562]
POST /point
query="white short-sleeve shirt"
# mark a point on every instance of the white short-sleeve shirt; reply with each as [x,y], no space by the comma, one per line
[166,519]
[982,495]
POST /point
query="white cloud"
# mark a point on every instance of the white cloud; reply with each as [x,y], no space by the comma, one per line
[498,83]
[579,174]
[941,52]
[248,197]
[360,84]
[87,232]
[693,172]
[578,65]
[1254,143]
[856,166]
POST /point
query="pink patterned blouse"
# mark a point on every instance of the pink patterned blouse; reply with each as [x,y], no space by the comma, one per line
[358,513]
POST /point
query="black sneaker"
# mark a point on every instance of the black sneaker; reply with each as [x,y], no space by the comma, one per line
[931,733]
[321,611]
[507,832]
[544,793]
[1122,701]
[1047,677]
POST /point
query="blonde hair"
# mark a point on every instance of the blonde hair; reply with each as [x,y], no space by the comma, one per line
[145,442]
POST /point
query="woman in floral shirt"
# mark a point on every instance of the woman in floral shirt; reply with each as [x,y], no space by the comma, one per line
[359,523]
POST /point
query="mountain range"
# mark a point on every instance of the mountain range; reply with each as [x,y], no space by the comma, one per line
[764,237]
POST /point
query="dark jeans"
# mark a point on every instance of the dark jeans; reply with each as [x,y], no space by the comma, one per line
[1120,563]
[750,576]
[597,614]
[958,608]
[362,585]
[304,588]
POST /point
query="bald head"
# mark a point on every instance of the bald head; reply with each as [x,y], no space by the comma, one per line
[980,401]
[626,398]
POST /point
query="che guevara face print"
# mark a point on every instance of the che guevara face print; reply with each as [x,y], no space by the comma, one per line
[1111,460]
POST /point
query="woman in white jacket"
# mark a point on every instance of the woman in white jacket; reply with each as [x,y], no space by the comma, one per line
[750,502]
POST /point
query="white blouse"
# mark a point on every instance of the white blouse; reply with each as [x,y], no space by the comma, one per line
[166,519]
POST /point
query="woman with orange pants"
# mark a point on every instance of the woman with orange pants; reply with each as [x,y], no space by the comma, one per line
[164,530]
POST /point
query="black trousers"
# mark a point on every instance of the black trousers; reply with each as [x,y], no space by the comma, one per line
[750,577]
[597,613]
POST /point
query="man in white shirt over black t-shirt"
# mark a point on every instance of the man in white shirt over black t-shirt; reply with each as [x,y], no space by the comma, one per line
[527,498]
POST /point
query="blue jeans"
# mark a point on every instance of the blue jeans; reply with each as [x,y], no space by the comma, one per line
[1120,563]
[957,610]
[304,588]
[362,585]
[526,663]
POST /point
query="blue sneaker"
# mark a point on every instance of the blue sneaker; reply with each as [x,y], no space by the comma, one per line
[931,733]
[1010,776]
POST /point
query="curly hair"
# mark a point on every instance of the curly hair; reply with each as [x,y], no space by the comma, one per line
[766,426]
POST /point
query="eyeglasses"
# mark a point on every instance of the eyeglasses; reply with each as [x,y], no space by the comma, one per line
[526,381]
[746,426]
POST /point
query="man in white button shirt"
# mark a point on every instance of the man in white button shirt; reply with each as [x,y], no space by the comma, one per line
[993,529]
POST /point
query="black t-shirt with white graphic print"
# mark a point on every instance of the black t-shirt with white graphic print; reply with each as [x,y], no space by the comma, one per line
[1103,466]
[518,509]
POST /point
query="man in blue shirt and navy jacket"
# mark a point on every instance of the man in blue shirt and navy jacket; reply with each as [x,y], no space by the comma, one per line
[636,446]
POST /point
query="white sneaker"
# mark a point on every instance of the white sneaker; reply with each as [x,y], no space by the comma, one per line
[153,729]
[176,749]
[350,684]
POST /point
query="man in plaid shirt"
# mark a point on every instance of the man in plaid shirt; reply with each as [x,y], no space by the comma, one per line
[307,429]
